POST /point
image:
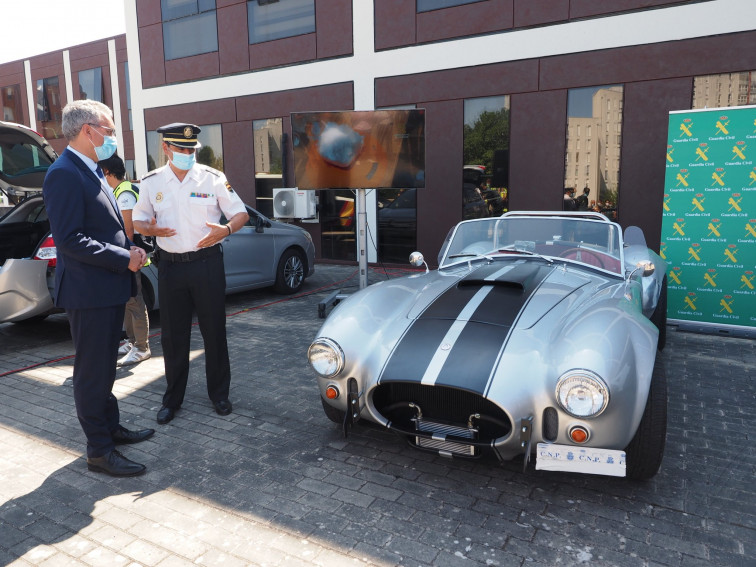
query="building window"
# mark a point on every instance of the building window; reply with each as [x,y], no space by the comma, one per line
[211,152]
[10,103]
[599,110]
[729,89]
[128,93]
[268,144]
[49,112]
[428,5]
[275,19]
[189,28]
[486,157]
[90,85]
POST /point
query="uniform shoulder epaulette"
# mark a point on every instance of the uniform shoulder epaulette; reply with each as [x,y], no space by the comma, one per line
[148,174]
[210,170]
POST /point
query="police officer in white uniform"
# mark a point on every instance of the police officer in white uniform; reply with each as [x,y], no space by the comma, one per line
[181,205]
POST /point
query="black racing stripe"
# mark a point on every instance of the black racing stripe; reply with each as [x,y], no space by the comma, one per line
[415,350]
[475,352]
[471,360]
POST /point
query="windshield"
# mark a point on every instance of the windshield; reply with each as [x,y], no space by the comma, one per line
[592,242]
[21,158]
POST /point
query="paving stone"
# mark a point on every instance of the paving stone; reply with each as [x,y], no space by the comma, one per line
[253,487]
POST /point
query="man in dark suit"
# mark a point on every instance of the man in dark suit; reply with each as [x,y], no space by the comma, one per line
[94,278]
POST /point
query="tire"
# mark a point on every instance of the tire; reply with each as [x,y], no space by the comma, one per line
[335,415]
[290,274]
[659,316]
[646,450]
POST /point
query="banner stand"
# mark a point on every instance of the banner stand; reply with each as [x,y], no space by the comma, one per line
[709,220]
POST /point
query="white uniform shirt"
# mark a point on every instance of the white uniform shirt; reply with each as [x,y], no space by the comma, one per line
[186,205]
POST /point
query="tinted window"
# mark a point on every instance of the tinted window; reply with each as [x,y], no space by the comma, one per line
[90,84]
[428,5]
[189,28]
[49,111]
[275,20]
[10,103]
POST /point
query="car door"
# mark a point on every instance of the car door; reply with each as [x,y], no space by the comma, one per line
[248,255]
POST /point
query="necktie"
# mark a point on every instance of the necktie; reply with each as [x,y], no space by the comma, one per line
[105,186]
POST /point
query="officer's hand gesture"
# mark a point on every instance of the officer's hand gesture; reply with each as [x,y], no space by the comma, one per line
[217,233]
[155,230]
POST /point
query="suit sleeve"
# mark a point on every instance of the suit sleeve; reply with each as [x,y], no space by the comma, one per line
[67,208]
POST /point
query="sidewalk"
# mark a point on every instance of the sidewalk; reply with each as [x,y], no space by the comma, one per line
[275,483]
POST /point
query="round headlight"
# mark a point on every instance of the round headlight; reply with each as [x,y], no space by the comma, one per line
[326,357]
[582,394]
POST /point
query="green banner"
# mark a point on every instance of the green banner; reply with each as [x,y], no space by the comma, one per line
[709,217]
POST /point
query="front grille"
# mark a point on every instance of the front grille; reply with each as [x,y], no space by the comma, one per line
[398,402]
[440,443]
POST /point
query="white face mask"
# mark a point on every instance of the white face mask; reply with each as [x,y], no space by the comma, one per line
[183,162]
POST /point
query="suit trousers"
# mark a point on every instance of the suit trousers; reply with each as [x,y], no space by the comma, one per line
[198,285]
[96,333]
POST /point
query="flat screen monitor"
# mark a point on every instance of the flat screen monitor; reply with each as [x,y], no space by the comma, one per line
[356,149]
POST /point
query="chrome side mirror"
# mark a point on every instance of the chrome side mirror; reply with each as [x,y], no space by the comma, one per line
[416,259]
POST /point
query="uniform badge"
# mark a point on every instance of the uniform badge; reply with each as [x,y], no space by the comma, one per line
[159,197]
[188,132]
[228,186]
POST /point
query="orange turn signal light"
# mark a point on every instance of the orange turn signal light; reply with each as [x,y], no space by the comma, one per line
[332,392]
[579,434]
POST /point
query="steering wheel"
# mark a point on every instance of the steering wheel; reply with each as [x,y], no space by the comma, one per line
[584,255]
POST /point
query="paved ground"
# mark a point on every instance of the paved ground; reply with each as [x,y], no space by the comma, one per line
[276,484]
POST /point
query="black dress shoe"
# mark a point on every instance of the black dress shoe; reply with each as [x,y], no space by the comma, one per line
[123,436]
[165,415]
[115,464]
[222,407]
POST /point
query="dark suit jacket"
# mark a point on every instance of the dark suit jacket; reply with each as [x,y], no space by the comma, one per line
[92,245]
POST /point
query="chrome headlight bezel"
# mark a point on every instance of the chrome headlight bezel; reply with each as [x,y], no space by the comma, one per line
[575,383]
[319,353]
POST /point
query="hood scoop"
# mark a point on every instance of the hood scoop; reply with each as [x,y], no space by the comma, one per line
[491,294]
[521,276]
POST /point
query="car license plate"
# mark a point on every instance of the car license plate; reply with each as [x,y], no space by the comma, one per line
[590,460]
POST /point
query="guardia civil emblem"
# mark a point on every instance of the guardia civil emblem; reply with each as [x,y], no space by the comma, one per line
[159,197]
[188,132]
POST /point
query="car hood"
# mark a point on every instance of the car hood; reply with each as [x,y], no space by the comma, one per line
[457,337]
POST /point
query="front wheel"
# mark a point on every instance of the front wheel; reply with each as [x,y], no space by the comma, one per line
[290,274]
[645,451]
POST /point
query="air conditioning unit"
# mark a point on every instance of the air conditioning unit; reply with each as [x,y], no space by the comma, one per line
[291,203]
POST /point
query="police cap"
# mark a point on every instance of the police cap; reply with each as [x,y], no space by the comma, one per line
[181,135]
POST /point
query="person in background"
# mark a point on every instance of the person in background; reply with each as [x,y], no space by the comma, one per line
[181,205]
[94,278]
[569,203]
[136,321]
[581,202]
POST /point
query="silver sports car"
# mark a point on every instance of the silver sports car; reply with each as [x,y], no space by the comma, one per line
[536,337]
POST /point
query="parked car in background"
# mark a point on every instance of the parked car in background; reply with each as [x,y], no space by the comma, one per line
[262,253]
[536,337]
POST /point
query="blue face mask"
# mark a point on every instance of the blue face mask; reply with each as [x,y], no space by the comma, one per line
[107,149]
[183,161]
